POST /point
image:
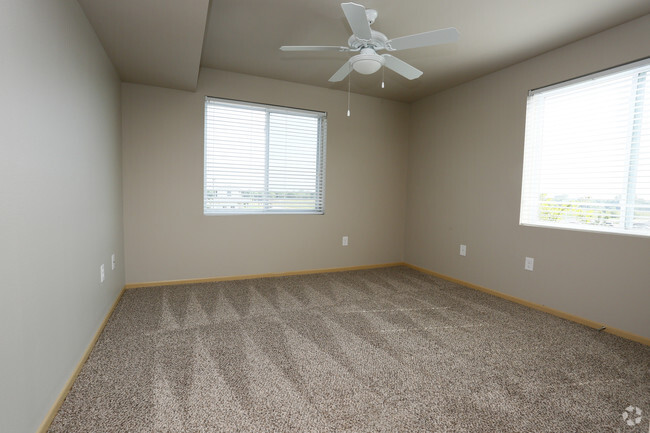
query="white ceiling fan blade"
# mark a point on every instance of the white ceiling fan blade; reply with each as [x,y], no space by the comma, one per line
[356,15]
[426,39]
[343,72]
[313,48]
[401,67]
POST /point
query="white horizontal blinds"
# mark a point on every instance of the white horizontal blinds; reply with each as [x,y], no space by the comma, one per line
[294,172]
[262,159]
[587,153]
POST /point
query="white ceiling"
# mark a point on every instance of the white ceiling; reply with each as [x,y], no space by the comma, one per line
[164,42]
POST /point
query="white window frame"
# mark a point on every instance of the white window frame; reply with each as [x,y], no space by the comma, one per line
[288,160]
[630,215]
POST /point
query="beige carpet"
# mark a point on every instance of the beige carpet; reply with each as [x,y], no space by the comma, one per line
[378,350]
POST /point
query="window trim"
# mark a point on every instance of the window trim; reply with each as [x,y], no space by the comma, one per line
[529,150]
[269,109]
[644,61]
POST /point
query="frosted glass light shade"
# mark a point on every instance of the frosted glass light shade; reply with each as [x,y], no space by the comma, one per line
[366,66]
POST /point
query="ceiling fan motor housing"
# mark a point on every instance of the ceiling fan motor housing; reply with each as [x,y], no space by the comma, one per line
[371,14]
[377,41]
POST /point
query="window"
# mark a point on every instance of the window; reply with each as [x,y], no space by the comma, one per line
[261,159]
[587,153]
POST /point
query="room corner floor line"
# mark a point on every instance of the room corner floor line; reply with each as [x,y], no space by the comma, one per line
[45,425]
[581,320]
[255,276]
[281,355]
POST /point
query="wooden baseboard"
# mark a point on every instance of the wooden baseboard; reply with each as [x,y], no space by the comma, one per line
[253,276]
[45,425]
[544,308]
[68,385]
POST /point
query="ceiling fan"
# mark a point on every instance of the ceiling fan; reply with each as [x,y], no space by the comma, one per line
[367,42]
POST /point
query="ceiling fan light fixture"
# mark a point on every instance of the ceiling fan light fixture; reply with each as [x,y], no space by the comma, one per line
[366,66]
[369,41]
[368,62]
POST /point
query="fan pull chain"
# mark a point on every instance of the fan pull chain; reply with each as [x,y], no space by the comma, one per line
[383,68]
[349,78]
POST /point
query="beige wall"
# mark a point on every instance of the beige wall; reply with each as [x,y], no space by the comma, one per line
[62,190]
[464,186]
[61,211]
[167,237]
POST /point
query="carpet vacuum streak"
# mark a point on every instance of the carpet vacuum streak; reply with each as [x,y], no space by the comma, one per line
[379,350]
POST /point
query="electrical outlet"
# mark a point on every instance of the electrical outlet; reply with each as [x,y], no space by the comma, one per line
[530,262]
[102,277]
[463,250]
[113,262]
[344,242]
